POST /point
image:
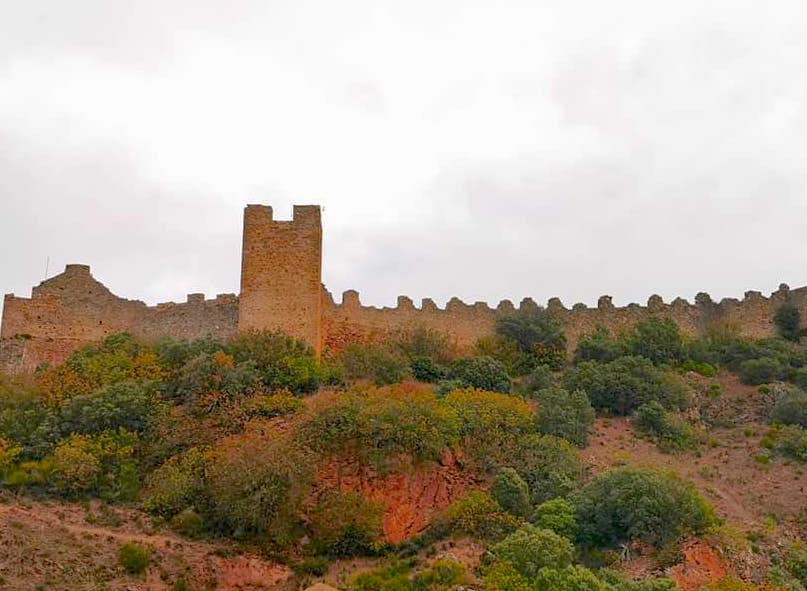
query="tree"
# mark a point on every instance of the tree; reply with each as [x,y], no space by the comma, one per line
[657,339]
[564,414]
[653,506]
[529,549]
[537,332]
[624,384]
[557,515]
[512,493]
[788,321]
[484,373]
[549,465]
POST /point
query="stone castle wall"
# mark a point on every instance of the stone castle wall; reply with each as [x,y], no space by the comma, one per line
[73,309]
[464,323]
[281,289]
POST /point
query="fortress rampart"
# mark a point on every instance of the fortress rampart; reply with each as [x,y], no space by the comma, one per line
[281,289]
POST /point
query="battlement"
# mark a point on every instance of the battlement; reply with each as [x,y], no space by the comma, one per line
[281,289]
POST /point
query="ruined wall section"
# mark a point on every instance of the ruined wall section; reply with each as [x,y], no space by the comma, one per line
[350,321]
[281,273]
[73,309]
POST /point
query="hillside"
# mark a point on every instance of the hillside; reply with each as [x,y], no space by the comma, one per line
[649,461]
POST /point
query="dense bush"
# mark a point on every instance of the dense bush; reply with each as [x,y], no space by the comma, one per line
[102,464]
[625,384]
[210,380]
[380,364]
[790,441]
[790,408]
[25,419]
[550,466]
[668,429]
[379,423]
[570,578]
[626,504]
[537,332]
[529,549]
[538,379]
[788,322]
[477,515]
[507,352]
[484,373]
[597,346]
[177,485]
[557,515]
[443,574]
[127,405]
[257,482]
[761,370]
[426,369]
[283,362]
[657,339]
[134,558]
[512,493]
[491,424]
[424,343]
[796,561]
[344,524]
[118,358]
[564,414]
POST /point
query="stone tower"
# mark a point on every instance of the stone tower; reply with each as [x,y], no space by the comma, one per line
[281,273]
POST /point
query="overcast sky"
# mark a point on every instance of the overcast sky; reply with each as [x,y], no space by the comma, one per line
[486,150]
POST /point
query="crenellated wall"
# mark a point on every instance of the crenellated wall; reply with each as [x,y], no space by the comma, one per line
[73,309]
[465,323]
[281,289]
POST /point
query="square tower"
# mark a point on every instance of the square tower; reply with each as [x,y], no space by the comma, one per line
[281,273]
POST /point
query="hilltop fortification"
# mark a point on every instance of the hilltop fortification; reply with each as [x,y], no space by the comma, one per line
[281,289]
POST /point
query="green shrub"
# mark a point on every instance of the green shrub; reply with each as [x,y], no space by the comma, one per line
[505,350]
[134,558]
[188,523]
[390,578]
[657,339]
[511,492]
[257,482]
[491,424]
[790,441]
[484,373]
[25,419]
[345,524]
[128,405]
[569,578]
[799,377]
[790,408]
[761,371]
[101,464]
[177,485]
[215,374]
[268,406]
[539,379]
[477,515]
[377,363]
[796,561]
[313,566]
[424,343]
[653,506]
[174,353]
[557,515]
[597,346]
[550,466]
[564,414]
[625,384]
[788,322]
[443,574]
[283,362]
[529,549]
[669,430]
[532,329]
[502,576]
[378,423]
[426,369]
[619,582]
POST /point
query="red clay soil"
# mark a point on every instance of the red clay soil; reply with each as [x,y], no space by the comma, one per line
[412,494]
[701,566]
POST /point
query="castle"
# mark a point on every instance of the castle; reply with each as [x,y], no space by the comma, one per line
[281,289]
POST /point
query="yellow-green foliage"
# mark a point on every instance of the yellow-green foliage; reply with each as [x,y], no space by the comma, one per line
[477,515]
[345,524]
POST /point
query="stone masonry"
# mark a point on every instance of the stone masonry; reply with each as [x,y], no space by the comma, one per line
[281,289]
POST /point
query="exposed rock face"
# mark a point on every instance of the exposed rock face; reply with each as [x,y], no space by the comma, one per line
[412,494]
[701,566]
